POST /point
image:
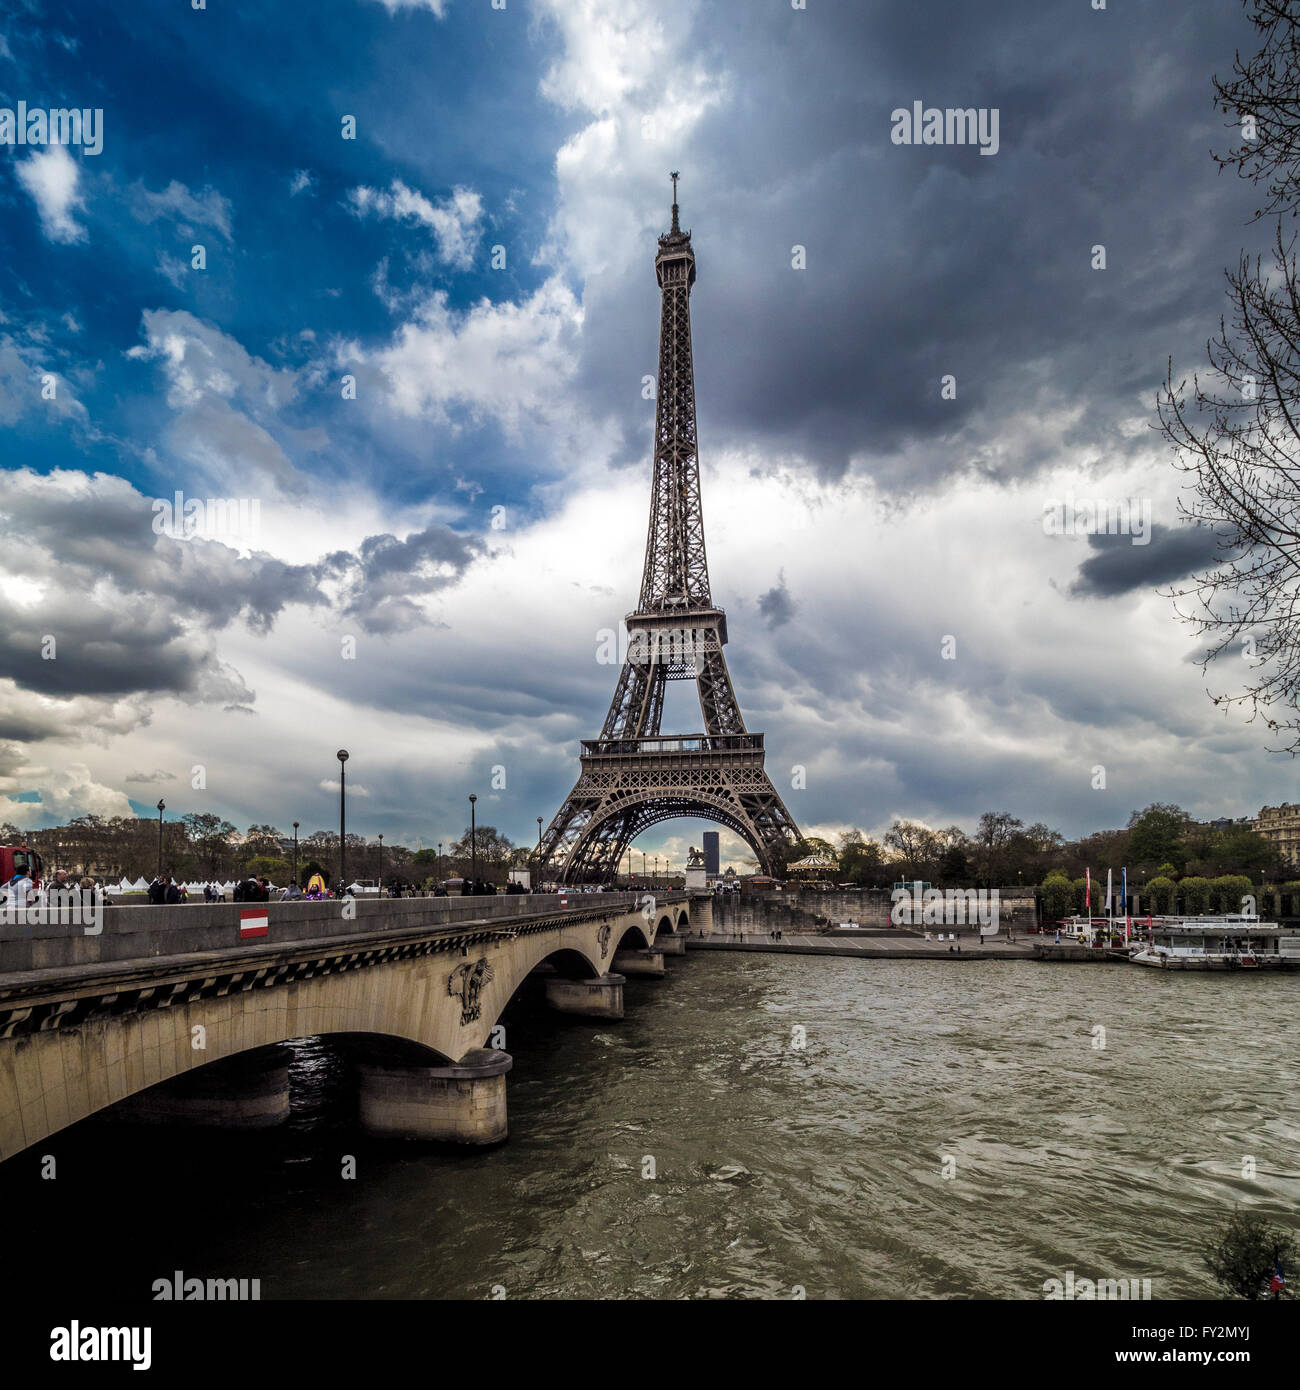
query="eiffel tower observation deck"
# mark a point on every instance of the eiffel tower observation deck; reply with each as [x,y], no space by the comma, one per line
[634,775]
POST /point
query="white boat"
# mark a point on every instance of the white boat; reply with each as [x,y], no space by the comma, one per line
[1233,941]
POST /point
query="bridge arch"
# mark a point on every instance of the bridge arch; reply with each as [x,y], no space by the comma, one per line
[433,994]
[606,838]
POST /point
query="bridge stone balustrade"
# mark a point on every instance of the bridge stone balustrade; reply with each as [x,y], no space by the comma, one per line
[88,1021]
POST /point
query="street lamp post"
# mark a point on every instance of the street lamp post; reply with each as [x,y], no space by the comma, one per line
[295,851]
[643,872]
[473,847]
[342,756]
[162,806]
[656,871]
[439,868]
[381,864]
[537,886]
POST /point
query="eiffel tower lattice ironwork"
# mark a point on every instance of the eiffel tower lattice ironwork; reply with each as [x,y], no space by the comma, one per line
[632,775]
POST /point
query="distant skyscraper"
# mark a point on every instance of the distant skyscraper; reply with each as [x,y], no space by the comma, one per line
[711,861]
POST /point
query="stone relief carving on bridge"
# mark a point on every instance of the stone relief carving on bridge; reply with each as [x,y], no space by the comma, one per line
[467,981]
[603,937]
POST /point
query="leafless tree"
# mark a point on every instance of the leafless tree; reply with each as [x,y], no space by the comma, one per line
[1236,432]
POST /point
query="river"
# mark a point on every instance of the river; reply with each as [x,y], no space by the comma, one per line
[779,1170]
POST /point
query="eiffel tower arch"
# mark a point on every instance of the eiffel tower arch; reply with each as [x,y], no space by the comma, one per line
[634,776]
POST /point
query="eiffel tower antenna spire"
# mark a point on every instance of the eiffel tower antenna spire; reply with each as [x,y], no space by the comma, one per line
[632,775]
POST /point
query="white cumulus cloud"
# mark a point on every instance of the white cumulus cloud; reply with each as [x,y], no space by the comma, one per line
[51,178]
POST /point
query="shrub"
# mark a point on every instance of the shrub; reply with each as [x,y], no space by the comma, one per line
[1247,1254]
[1161,892]
[1195,893]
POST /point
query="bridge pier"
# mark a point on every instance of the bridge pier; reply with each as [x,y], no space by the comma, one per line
[461,1103]
[598,998]
[649,964]
[670,944]
[238,1093]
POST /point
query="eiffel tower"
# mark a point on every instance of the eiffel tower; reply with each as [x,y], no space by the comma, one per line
[633,776]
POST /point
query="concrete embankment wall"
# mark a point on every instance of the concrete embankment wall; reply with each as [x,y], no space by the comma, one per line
[798,910]
[133,933]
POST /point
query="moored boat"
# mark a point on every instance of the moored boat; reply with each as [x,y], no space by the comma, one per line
[1234,941]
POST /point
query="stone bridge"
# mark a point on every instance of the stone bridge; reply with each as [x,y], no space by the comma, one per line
[178,1013]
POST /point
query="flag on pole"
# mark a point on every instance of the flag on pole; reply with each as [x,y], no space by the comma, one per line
[1108,893]
[253,922]
[1087,889]
[1278,1283]
[1124,894]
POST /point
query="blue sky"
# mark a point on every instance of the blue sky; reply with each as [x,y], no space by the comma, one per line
[438,556]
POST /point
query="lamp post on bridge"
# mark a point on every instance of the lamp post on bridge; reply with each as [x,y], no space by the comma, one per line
[656,871]
[381,865]
[643,872]
[439,868]
[473,847]
[537,887]
[295,851]
[162,806]
[342,756]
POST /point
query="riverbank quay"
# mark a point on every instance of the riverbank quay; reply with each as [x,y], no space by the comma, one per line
[891,947]
[1075,951]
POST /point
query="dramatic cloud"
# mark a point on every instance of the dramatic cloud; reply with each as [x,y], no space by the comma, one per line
[901,355]
[504,362]
[776,605]
[1119,566]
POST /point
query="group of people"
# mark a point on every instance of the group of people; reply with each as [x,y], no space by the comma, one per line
[165,890]
[22,891]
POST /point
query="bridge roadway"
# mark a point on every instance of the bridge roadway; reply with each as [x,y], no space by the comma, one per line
[170,1014]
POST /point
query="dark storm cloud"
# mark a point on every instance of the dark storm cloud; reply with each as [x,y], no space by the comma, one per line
[924,261]
[1119,567]
[125,611]
[384,575]
[776,605]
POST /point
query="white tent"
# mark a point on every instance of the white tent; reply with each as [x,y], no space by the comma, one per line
[139,886]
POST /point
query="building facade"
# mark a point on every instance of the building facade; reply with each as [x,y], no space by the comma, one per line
[1281,825]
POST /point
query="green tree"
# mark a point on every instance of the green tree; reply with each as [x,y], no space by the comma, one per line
[1161,890]
[1227,891]
[1245,1257]
[1290,892]
[268,866]
[1056,894]
[1242,849]
[1158,833]
[862,861]
[1195,893]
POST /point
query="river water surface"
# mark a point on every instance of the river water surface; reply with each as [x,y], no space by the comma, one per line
[777,1168]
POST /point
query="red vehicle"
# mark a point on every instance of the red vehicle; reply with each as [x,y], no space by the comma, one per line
[18,859]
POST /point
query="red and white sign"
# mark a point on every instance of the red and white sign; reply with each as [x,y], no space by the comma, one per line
[253,922]
[564,902]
